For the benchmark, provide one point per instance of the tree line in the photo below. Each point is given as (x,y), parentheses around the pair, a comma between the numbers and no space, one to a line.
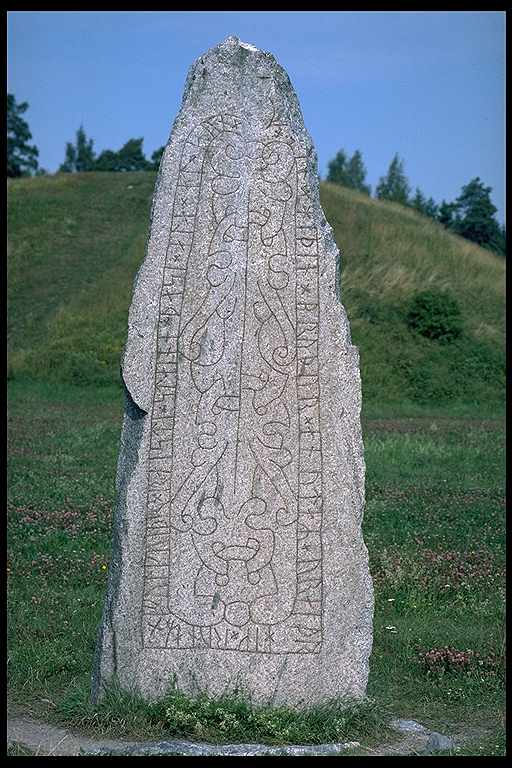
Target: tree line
(81,156)
(22,157)
(471,215)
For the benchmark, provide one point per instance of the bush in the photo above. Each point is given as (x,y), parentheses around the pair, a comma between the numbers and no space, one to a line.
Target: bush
(435,315)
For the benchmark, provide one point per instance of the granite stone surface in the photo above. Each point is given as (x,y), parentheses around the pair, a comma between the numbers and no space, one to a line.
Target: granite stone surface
(238,561)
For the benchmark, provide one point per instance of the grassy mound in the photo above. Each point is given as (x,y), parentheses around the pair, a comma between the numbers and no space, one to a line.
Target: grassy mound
(75,243)
(389,255)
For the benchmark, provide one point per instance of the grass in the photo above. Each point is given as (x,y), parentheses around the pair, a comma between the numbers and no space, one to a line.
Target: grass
(488,745)
(390,253)
(434,526)
(74,247)
(434,446)
(19,750)
(230,718)
(76,240)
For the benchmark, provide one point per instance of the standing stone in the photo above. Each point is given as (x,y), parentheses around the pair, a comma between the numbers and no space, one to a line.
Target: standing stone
(238,560)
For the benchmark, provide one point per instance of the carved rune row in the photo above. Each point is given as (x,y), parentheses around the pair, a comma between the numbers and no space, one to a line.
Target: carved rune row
(234,504)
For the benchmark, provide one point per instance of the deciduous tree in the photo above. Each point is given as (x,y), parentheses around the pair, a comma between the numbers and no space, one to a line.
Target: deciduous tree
(129,158)
(21,156)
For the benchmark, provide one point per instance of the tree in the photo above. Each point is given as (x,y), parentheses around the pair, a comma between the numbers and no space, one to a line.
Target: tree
(21,156)
(356,173)
(476,215)
(394,185)
(337,169)
(445,214)
(349,173)
(69,164)
(80,156)
(419,202)
(426,207)
(156,157)
(502,242)
(129,158)
(430,208)
(107,161)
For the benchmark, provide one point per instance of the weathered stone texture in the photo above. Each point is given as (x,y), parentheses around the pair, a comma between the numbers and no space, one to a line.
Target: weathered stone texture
(238,558)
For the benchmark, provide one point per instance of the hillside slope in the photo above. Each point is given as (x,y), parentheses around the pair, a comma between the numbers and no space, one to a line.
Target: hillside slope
(75,242)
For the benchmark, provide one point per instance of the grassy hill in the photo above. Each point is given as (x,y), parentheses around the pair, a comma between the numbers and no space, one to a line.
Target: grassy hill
(75,242)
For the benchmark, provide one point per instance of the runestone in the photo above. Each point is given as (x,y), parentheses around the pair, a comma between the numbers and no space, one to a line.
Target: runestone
(238,562)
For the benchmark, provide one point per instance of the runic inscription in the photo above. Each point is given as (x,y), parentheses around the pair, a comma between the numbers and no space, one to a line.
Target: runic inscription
(233,553)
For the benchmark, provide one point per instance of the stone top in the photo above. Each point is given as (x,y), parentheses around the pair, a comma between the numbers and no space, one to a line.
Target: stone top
(232,78)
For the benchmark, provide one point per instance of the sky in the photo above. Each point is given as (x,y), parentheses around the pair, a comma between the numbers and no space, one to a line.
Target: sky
(428,85)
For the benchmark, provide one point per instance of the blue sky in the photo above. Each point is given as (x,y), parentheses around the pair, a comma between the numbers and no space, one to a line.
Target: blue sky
(428,85)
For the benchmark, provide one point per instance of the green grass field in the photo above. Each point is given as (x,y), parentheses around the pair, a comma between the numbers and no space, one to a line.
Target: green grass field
(434,448)
(75,242)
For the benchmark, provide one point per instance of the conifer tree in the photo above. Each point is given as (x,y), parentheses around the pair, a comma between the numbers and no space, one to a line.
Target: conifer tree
(337,169)
(445,214)
(356,173)
(430,208)
(419,202)
(69,164)
(80,156)
(394,185)
(348,172)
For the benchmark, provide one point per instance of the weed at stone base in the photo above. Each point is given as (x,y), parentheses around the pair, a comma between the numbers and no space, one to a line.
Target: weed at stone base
(228,718)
